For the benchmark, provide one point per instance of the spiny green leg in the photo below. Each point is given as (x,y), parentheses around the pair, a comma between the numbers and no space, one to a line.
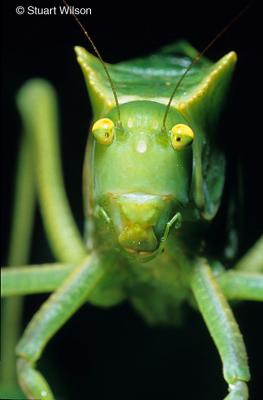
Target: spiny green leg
(47,321)
(223,329)
(21,230)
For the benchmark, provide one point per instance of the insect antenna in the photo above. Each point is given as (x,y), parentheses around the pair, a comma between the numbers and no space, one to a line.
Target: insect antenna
(101,60)
(199,55)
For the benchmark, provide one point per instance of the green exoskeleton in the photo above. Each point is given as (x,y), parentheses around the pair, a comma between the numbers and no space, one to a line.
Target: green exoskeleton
(153,182)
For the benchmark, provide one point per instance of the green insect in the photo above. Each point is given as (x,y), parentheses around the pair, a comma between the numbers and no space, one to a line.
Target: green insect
(153,182)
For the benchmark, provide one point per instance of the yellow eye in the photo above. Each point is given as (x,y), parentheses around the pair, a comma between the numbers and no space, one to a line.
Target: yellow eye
(181,136)
(103,130)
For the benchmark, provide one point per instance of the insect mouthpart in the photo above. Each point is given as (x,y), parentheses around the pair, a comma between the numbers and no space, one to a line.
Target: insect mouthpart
(137,239)
(139,220)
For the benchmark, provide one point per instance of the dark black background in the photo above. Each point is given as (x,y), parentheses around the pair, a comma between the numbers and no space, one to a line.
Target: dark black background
(100,353)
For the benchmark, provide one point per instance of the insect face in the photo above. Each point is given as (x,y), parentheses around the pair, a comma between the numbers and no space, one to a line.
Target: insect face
(142,177)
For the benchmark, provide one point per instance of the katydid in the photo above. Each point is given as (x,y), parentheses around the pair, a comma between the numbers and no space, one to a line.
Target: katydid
(153,182)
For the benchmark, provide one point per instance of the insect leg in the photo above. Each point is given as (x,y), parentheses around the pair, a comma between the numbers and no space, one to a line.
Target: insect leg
(32,279)
(223,328)
(19,247)
(241,285)
(253,259)
(37,104)
(182,47)
(46,322)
